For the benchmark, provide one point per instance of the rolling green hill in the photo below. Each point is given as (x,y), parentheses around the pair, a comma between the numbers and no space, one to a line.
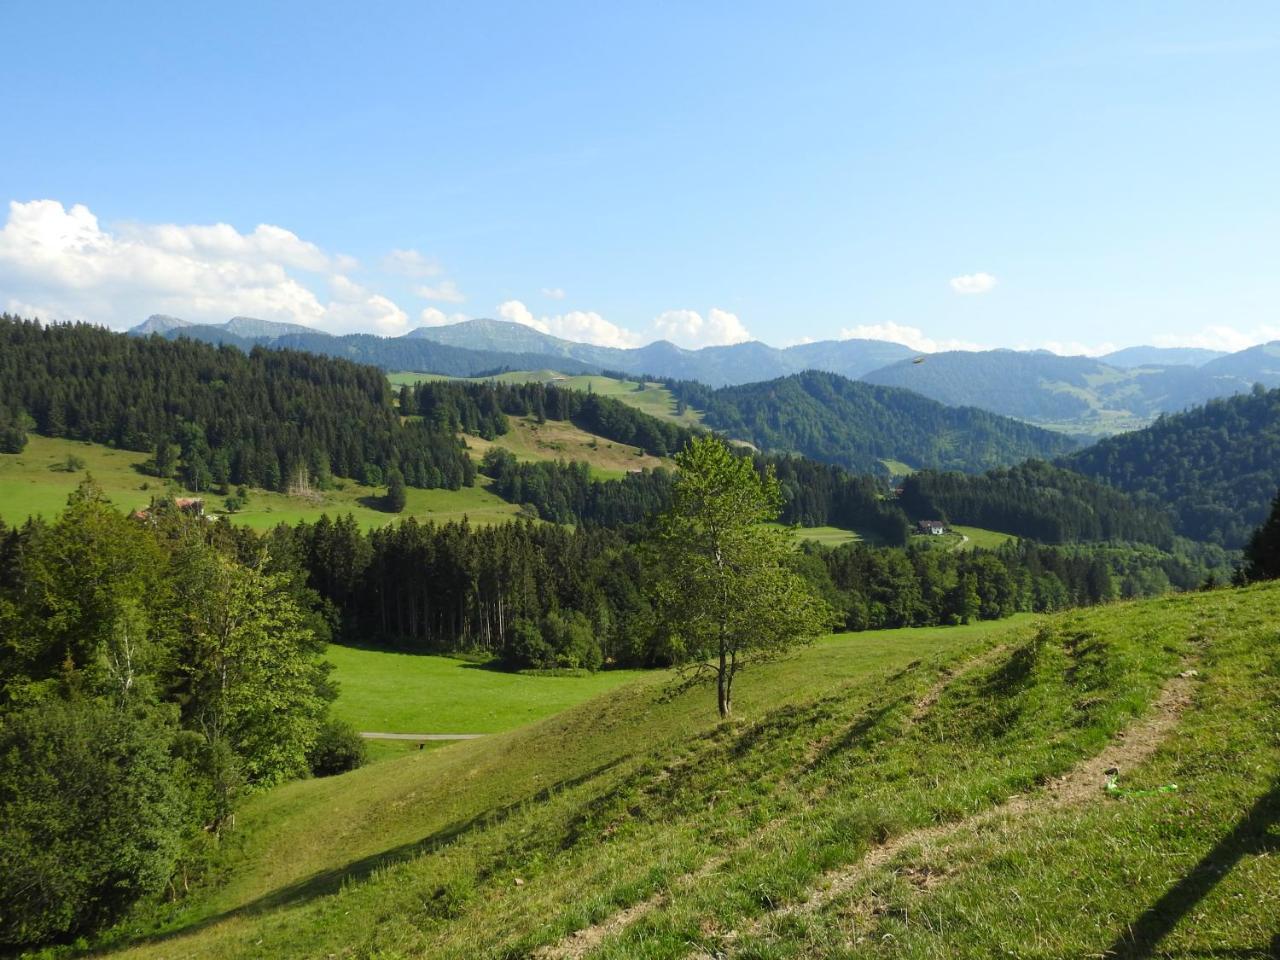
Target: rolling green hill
(1215,468)
(859,426)
(914,793)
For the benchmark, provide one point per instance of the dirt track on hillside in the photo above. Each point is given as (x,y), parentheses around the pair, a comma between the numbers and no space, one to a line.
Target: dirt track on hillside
(1087,779)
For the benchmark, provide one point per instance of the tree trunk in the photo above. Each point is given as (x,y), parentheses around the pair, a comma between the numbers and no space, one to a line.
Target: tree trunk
(723,679)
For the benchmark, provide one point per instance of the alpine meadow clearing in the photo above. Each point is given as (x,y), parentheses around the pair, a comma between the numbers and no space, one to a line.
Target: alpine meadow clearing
(37,482)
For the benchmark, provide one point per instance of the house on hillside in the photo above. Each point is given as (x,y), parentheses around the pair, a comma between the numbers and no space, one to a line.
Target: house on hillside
(191,505)
(935,528)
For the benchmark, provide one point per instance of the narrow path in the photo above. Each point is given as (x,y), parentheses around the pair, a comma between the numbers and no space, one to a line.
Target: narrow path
(422,736)
(1129,748)
(1086,780)
(580,943)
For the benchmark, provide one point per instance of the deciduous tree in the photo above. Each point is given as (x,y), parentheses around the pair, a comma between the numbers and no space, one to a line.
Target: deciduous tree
(728,596)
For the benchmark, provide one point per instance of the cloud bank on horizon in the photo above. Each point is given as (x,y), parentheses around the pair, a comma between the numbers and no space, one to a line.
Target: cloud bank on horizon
(61,263)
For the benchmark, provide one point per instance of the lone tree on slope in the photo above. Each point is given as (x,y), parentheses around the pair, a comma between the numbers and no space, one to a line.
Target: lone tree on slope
(396,495)
(728,595)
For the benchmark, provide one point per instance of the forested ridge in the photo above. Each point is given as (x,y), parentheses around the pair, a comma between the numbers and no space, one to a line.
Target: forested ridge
(389,353)
(1215,468)
(856,425)
(215,415)
(266,418)
(1037,501)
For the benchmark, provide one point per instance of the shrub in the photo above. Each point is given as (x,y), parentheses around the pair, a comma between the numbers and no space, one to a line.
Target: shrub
(337,749)
(92,820)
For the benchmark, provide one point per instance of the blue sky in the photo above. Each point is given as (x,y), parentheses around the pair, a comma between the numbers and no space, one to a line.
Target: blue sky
(1072,175)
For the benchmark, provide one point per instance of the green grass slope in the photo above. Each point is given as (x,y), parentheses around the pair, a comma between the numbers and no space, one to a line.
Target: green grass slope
(29,486)
(918,793)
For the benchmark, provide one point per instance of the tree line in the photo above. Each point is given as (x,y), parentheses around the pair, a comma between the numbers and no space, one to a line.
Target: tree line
(481,409)
(813,494)
(1037,501)
(541,595)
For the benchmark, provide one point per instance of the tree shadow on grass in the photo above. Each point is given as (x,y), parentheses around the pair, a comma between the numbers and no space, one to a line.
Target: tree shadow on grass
(1251,835)
(327,882)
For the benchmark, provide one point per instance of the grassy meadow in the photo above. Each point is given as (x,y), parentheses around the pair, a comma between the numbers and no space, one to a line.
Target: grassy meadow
(387,692)
(912,793)
(33,483)
(531,441)
(30,486)
(828,536)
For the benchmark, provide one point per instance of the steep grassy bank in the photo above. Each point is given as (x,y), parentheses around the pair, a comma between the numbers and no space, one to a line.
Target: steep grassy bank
(660,833)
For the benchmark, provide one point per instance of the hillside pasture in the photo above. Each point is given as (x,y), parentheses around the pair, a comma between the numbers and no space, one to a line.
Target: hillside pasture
(33,483)
(532,441)
(827,536)
(919,793)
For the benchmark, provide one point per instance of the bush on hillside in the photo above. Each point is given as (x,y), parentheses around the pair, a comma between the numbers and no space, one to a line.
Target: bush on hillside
(338,749)
(92,818)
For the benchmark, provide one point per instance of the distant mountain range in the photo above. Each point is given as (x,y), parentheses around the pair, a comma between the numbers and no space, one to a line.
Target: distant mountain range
(714,366)
(1083,395)
(249,328)
(1161,357)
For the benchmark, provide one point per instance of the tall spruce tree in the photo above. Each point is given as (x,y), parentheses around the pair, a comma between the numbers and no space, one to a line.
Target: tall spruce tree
(396,495)
(1262,554)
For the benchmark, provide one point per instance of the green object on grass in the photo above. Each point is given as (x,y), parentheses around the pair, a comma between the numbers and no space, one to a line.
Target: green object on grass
(1114,789)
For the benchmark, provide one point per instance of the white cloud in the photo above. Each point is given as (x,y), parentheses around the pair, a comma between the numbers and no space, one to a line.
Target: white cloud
(1221,337)
(517,312)
(912,337)
(446,291)
(582,326)
(553,293)
(411,263)
(432,317)
(73,268)
(971,283)
(221,241)
(688,328)
(355,307)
